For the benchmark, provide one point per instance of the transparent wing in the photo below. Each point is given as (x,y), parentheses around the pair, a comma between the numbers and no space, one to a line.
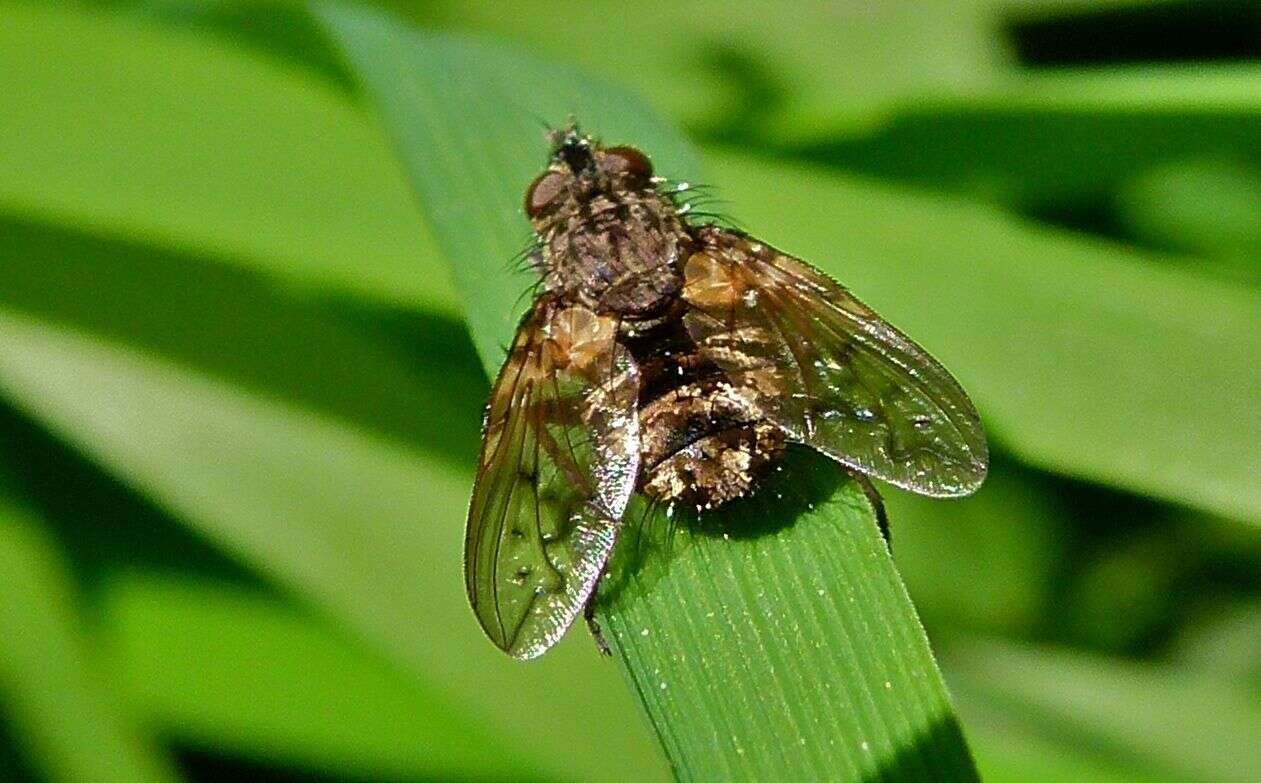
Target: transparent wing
(560,454)
(829,371)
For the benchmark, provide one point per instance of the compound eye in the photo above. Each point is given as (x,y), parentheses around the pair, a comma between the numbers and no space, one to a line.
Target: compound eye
(544,192)
(629,161)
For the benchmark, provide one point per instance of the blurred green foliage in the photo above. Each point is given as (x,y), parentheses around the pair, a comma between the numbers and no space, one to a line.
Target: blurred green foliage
(239,406)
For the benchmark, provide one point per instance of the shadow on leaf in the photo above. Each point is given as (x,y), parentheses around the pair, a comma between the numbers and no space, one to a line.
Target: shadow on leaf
(803,483)
(406,378)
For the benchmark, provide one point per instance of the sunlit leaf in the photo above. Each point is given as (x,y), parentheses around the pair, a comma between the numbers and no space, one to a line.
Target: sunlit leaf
(1162,720)
(223,669)
(1058,142)
(732,67)
(143,132)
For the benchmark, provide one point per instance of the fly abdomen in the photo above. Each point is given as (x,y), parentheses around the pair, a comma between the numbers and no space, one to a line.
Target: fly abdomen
(703,443)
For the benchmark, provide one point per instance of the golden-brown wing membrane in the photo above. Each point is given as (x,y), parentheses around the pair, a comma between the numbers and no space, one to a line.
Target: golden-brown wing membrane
(829,371)
(560,455)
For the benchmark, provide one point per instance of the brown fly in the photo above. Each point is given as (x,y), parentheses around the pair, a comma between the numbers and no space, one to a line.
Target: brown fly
(676,358)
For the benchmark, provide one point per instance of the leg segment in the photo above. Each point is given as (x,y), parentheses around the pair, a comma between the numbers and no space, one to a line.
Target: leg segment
(588,614)
(877,505)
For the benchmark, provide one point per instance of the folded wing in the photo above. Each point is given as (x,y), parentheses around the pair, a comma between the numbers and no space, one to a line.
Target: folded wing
(560,454)
(829,371)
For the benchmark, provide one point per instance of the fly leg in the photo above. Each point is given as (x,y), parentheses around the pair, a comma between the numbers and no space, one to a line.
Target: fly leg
(634,553)
(593,625)
(877,505)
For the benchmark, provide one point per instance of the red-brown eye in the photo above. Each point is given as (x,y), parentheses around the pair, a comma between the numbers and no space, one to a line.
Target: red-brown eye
(544,192)
(629,161)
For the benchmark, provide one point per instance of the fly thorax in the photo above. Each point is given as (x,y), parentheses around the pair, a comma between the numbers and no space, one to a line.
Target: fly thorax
(616,254)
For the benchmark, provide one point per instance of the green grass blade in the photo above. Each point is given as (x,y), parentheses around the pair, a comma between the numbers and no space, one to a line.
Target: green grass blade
(226,669)
(759,654)
(243,329)
(734,67)
(1106,127)
(138,131)
(57,697)
(1008,750)
(1209,208)
(836,72)
(1174,723)
(778,643)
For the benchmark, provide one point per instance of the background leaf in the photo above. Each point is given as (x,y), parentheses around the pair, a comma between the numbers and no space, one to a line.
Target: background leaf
(285,176)
(222,668)
(62,704)
(1170,723)
(833,65)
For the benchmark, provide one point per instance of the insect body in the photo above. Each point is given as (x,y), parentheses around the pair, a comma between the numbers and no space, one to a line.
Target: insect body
(676,360)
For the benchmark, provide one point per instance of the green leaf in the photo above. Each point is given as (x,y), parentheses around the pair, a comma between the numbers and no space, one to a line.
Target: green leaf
(986,562)
(225,669)
(1058,140)
(58,698)
(1151,716)
(138,131)
(1009,750)
(1205,206)
(782,647)
(1225,644)
(240,328)
(1088,359)
(735,68)
(776,641)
